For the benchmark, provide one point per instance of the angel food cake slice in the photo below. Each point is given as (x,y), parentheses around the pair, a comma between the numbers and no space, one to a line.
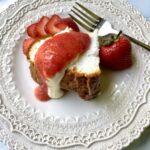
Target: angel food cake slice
(84,75)
(68,60)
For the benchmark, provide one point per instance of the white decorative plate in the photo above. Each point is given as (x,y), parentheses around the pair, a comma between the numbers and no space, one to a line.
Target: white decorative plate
(111,121)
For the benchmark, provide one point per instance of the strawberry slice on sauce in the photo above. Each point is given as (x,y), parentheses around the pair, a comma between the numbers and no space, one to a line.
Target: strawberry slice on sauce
(57,24)
(50,27)
(40,27)
(57,52)
(32,31)
(67,22)
(27,43)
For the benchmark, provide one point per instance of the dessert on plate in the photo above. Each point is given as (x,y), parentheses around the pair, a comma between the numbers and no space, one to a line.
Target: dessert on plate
(62,58)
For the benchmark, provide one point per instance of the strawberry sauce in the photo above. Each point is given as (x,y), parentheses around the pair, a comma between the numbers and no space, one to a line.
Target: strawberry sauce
(58,52)
(41,92)
(55,54)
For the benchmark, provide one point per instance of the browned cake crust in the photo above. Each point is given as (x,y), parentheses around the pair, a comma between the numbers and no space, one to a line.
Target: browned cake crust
(34,73)
(87,86)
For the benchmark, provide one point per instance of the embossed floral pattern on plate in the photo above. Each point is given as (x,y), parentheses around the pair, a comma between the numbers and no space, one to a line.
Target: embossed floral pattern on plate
(126,96)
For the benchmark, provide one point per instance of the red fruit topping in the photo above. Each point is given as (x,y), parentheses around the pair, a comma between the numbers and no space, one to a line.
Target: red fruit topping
(117,56)
(58,52)
(56,24)
(67,22)
(41,92)
(50,27)
(27,43)
(40,28)
(31,30)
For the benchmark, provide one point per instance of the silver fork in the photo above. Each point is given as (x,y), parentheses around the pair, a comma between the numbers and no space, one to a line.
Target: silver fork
(90,21)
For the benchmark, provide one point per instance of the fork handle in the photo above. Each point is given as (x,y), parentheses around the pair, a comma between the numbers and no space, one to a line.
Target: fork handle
(138,42)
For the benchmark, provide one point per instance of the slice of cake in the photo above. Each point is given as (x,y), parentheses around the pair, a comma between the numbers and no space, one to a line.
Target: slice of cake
(84,75)
(68,60)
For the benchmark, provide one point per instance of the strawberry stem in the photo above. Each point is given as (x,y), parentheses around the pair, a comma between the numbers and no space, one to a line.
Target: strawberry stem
(117,36)
(109,39)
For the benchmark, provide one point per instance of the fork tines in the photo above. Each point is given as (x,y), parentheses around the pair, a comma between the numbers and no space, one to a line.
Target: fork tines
(84,17)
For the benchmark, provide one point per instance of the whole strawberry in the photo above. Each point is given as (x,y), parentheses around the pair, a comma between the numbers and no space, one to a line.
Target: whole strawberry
(117,54)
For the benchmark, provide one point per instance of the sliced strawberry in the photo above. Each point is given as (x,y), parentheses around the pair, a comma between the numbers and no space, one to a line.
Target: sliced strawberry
(67,22)
(31,30)
(50,27)
(40,27)
(41,92)
(27,43)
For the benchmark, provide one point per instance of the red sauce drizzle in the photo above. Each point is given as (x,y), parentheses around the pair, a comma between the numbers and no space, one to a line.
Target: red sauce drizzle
(57,53)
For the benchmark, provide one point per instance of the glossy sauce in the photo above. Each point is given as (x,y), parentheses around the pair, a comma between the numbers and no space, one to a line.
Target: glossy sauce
(41,92)
(55,54)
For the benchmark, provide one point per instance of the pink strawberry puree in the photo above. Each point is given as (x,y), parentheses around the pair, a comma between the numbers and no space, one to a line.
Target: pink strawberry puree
(55,54)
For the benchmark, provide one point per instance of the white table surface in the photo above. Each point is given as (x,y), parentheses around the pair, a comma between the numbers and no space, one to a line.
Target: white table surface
(143,143)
